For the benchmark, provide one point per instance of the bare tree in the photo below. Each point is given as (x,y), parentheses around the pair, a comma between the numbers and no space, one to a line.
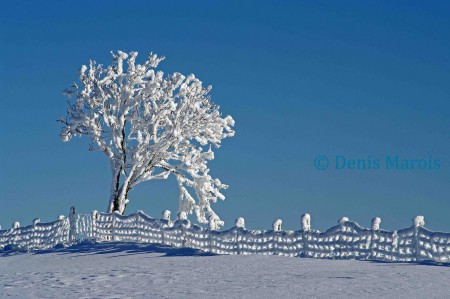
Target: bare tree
(149,126)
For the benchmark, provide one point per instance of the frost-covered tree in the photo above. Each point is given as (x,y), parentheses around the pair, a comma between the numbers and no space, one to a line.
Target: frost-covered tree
(149,126)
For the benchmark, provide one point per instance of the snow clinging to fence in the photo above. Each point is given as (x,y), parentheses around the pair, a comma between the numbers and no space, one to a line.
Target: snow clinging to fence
(347,240)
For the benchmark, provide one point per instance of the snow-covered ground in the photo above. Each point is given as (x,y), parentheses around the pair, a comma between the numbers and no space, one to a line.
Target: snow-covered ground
(152,271)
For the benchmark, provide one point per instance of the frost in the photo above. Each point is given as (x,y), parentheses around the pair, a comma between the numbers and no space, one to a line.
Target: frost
(166,215)
(240,222)
(376,223)
(277,225)
(150,127)
(419,221)
(306,222)
(343,220)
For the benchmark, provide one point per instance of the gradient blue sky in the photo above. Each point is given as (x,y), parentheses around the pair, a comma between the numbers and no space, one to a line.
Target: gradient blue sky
(361,79)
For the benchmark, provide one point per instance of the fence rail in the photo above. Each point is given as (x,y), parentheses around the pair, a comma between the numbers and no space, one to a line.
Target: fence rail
(347,240)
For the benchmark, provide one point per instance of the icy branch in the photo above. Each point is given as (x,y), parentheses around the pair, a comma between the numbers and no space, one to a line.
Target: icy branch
(149,126)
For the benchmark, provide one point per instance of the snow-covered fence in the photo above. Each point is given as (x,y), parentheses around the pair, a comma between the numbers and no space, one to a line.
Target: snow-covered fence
(36,236)
(347,240)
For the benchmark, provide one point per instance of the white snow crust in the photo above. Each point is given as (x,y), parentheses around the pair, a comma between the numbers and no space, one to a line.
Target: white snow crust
(150,271)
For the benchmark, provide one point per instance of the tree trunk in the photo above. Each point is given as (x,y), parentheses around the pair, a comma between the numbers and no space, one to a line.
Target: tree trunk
(114,196)
(121,198)
(116,204)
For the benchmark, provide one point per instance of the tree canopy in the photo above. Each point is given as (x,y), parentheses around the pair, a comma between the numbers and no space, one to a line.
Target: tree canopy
(149,126)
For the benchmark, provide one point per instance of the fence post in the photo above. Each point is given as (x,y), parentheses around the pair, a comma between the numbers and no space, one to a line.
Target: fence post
(376,223)
(239,225)
(113,228)
(418,222)
(166,215)
(276,229)
(137,216)
(163,241)
(36,221)
(213,223)
(212,226)
(15,226)
(72,225)
(375,228)
(306,222)
(341,243)
(306,229)
(394,245)
(94,217)
(183,224)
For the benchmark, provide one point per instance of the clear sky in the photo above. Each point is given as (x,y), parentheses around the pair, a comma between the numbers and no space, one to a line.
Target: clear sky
(353,80)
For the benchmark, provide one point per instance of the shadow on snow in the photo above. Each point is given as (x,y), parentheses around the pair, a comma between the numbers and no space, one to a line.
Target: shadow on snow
(121,248)
(124,248)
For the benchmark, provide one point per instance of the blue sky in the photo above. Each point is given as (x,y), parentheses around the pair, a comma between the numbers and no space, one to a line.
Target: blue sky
(358,79)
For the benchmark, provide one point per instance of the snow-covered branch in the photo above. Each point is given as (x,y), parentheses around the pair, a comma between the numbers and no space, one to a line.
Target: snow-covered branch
(149,126)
